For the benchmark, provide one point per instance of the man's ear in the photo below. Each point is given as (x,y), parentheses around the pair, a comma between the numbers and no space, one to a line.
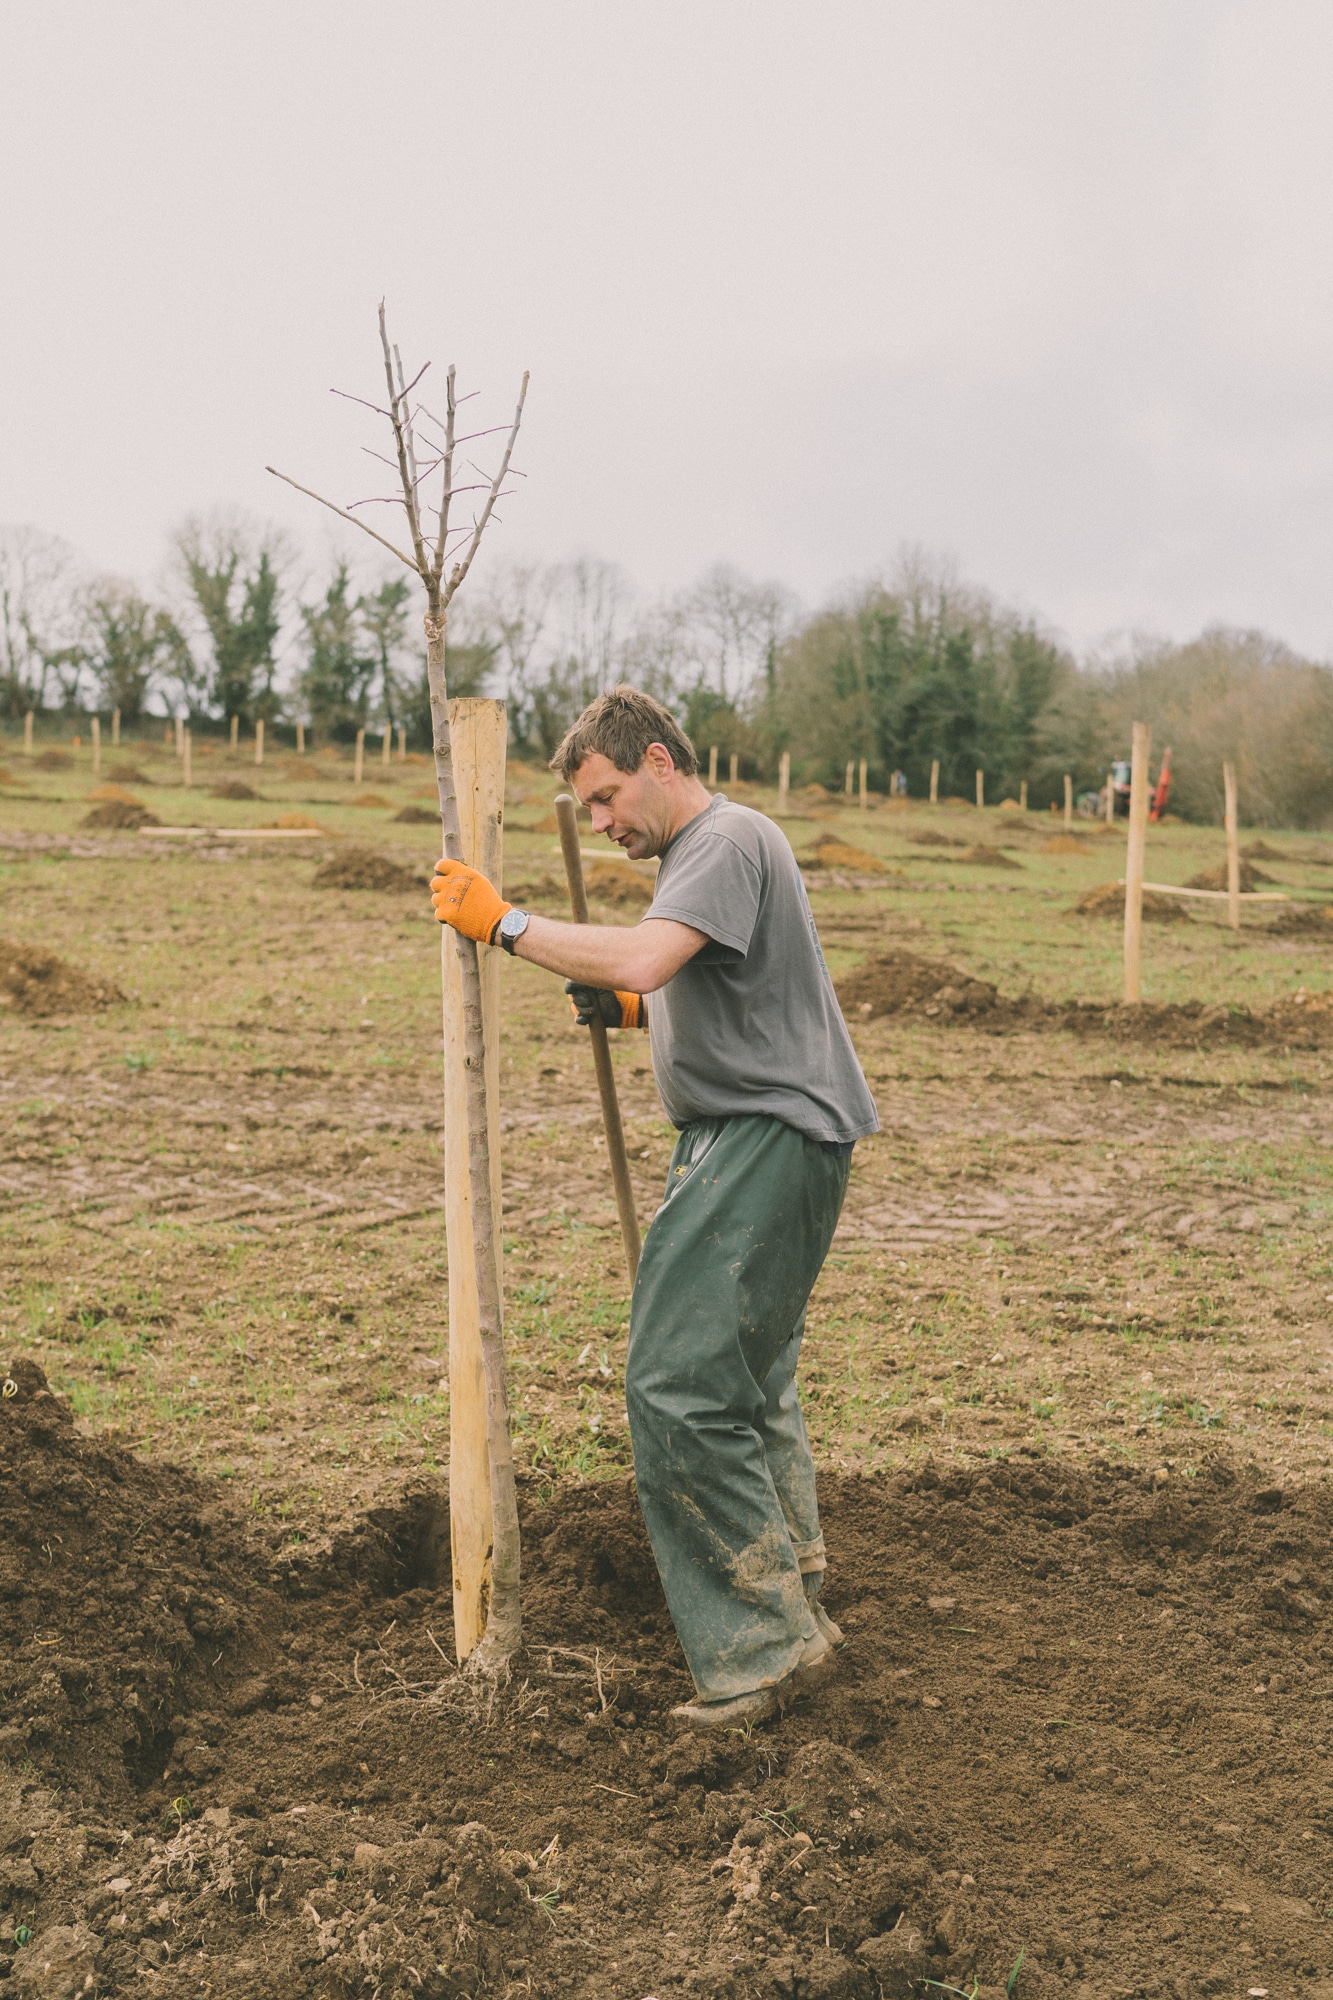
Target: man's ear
(659,758)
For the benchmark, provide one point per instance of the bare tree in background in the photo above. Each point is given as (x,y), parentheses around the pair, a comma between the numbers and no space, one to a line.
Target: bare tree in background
(424,450)
(39,616)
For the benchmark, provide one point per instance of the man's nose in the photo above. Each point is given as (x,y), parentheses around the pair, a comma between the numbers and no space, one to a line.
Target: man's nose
(601,818)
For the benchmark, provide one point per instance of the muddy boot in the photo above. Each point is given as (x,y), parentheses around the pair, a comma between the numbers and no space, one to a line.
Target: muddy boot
(812,1580)
(817,1659)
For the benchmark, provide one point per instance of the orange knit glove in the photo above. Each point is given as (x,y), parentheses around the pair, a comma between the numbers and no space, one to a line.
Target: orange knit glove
(465,899)
(617,1010)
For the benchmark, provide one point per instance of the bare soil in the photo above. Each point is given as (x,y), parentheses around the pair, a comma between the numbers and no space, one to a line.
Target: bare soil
(122,814)
(1251,878)
(362,868)
(37,983)
(1078,1716)
(1107,899)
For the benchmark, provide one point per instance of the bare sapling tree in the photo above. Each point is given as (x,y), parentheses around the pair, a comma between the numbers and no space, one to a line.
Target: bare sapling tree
(424,450)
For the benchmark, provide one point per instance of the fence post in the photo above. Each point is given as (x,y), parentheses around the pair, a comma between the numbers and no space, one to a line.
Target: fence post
(300,739)
(981,788)
(863,784)
(712,764)
(1069,803)
(735,766)
(115,729)
(97,744)
(185,760)
(402,743)
(259,741)
(477,732)
(27,734)
(235,731)
(1110,796)
(849,785)
(1023,794)
(1138,839)
(1233,848)
(360,758)
(386,746)
(180,735)
(784,780)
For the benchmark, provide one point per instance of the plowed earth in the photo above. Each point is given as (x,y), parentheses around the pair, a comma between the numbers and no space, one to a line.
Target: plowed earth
(1079,1715)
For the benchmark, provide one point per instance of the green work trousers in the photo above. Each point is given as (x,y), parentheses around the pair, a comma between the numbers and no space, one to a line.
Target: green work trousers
(721,1457)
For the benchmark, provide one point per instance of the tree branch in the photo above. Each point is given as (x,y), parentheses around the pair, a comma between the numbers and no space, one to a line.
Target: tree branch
(460,569)
(343,515)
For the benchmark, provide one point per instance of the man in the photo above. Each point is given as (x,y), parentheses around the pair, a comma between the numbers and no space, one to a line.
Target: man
(756,1070)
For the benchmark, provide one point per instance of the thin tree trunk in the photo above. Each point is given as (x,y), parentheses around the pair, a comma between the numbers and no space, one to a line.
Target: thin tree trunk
(504,1626)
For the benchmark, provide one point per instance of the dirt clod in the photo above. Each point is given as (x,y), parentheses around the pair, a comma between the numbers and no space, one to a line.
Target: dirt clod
(38,983)
(1107,899)
(1065,843)
(362,868)
(830,852)
(123,815)
(417,816)
(932,839)
(982,856)
(53,760)
(128,774)
(372,800)
(900,982)
(233,788)
(1251,878)
(1260,850)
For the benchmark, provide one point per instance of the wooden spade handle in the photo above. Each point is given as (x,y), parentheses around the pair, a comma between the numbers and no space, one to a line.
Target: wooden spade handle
(566,816)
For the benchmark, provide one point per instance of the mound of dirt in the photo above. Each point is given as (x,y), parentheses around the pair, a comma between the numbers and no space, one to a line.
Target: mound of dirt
(1216,878)
(101,794)
(987,857)
(1259,850)
(617,884)
(932,839)
(1107,899)
(954,800)
(7,777)
(1067,1697)
(233,788)
(128,774)
(53,760)
(417,816)
(1303,920)
(126,814)
(294,823)
(362,868)
(830,852)
(1011,806)
(371,800)
(901,983)
(1065,843)
(534,891)
(38,983)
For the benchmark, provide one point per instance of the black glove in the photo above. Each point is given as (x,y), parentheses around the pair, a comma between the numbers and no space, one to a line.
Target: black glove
(614,1010)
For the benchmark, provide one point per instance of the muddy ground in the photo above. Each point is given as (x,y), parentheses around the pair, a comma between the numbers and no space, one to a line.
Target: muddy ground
(1080,1716)
(1067,1373)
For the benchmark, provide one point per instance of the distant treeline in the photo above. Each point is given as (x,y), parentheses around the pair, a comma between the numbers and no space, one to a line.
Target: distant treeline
(900,671)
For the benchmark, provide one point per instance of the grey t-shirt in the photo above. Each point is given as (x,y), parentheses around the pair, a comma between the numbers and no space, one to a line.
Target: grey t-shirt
(751,1023)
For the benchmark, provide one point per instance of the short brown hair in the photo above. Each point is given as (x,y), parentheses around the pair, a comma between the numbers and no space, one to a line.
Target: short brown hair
(620,725)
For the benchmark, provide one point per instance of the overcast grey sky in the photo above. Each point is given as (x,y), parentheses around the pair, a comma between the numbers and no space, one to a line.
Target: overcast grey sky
(1044,287)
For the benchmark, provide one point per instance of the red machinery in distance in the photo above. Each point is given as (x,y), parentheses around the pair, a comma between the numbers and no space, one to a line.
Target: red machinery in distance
(1119,779)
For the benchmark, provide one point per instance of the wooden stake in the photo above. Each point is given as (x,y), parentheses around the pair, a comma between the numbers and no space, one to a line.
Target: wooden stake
(981,788)
(1233,848)
(97,744)
(259,741)
(1138,840)
(477,732)
(864,800)
(1023,795)
(935,781)
(360,756)
(735,766)
(566,814)
(386,746)
(180,734)
(27,734)
(115,729)
(185,757)
(235,730)
(849,785)
(1069,803)
(1110,797)
(784,781)
(402,743)
(300,739)
(712,764)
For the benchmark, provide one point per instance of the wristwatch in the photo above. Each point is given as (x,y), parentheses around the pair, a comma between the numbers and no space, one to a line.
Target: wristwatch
(510,929)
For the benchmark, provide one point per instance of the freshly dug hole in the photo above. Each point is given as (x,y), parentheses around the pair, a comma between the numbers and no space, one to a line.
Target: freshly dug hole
(256,1753)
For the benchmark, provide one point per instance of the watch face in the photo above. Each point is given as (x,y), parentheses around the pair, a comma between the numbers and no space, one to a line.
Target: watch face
(513,923)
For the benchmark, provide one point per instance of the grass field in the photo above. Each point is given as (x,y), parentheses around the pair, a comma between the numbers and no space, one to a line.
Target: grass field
(222,1198)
